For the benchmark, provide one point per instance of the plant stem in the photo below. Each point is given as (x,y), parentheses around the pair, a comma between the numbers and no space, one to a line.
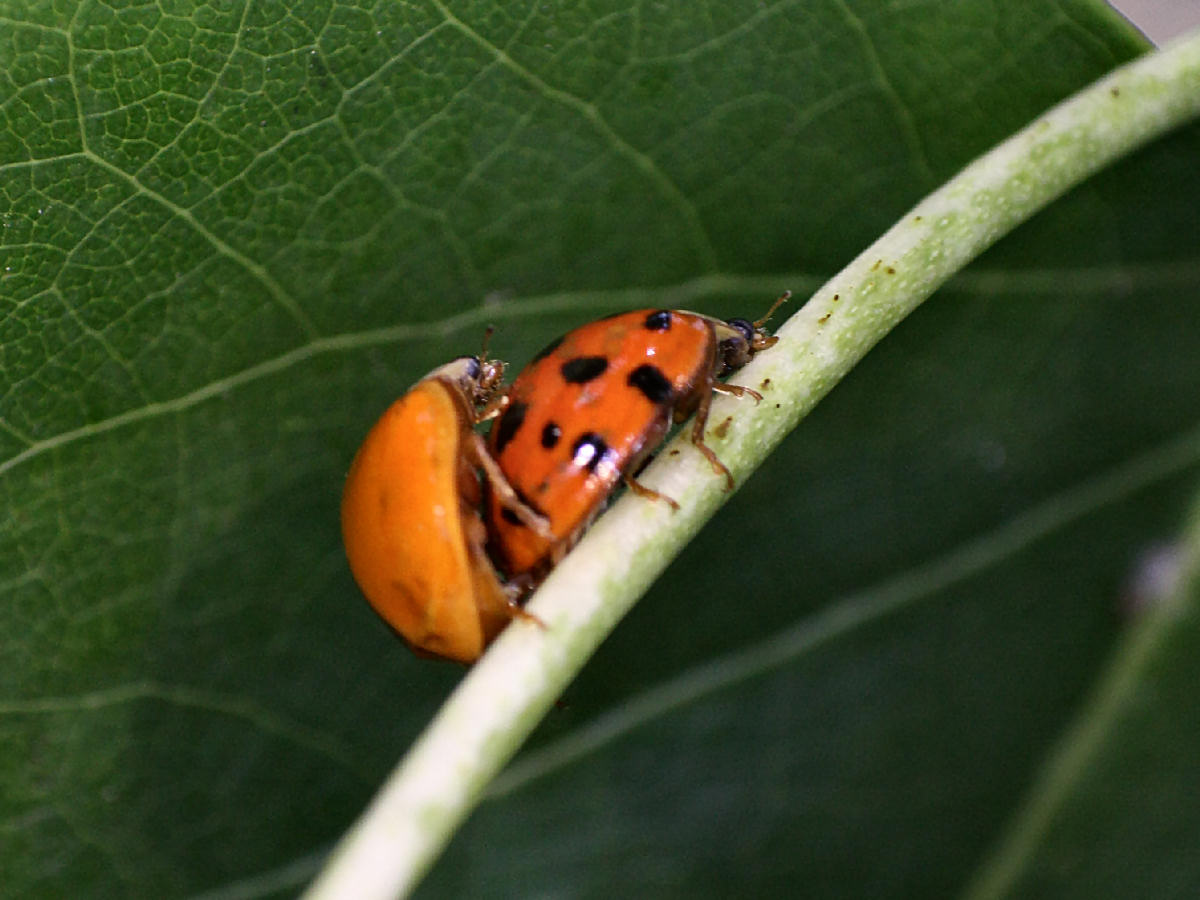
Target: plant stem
(505,695)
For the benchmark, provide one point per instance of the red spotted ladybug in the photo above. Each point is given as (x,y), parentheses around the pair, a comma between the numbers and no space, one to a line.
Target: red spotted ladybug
(592,407)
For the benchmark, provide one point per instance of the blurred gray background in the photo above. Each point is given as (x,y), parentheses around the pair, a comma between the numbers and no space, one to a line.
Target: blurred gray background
(1161,20)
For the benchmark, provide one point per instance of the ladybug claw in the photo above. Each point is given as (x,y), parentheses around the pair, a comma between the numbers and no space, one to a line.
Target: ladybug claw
(737,390)
(517,611)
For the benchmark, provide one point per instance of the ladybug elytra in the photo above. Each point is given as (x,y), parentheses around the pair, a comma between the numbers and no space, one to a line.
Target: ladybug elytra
(410,514)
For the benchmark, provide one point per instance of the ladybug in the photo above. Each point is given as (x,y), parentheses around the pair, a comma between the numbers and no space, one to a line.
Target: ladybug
(591,408)
(411,525)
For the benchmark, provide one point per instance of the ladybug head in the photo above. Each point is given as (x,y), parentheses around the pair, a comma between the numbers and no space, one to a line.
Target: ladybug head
(480,377)
(477,377)
(487,375)
(734,347)
(741,339)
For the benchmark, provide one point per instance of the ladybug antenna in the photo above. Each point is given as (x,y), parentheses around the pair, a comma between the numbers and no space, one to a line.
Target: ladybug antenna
(487,336)
(783,298)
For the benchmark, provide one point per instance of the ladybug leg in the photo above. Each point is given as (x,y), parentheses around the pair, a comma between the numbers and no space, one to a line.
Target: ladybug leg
(517,611)
(494,407)
(531,519)
(718,387)
(736,390)
(649,493)
(698,437)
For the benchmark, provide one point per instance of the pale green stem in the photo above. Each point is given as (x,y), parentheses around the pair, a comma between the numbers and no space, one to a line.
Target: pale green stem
(505,695)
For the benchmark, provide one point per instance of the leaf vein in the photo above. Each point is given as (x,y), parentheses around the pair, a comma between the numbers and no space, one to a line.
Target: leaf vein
(702,246)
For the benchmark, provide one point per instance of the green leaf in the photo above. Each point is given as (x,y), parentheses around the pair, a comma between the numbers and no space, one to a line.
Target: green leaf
(231,234)
(1107,808)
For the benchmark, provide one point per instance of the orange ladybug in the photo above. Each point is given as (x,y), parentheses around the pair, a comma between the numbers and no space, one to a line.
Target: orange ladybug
(592,407)
(410,514)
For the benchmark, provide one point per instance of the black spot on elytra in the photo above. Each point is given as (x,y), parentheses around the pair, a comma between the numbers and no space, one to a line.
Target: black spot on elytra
(588,450)
(582,369)
(510,422)
(550,435)
(509,516)
(652,383)
(659,320)
(548,349)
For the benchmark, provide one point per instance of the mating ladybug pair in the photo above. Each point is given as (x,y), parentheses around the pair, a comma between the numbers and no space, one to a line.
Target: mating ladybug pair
(579,419)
